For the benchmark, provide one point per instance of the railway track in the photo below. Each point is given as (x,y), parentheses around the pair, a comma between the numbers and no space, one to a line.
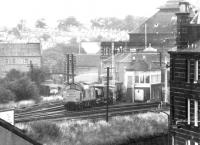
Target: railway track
(58,112)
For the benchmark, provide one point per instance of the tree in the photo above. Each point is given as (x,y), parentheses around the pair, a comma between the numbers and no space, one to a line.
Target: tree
(24,89)
(128,23)
(15,32)
(38,75)
(6,95)
(40,23)
(21,25)
(65,23)
(45,37)
(107,23)
(131,22)
(13,75)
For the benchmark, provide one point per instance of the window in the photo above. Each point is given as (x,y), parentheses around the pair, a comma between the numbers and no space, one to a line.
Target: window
(136,79)
(196,143)
(25,61)
(6,61)
(192,117)
(130,81)
(195,113)
(188,71)
(188,111)
(172,140)
(196,64)
(13,60)
(153,79)
(188,142)
(141,78)
(147,79)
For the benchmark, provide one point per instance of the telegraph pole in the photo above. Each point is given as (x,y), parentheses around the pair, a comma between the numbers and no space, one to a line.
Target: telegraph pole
(69,67)
(113,71)
(166,91)
(108,69)
(31,68)
(72,62)
(145,33)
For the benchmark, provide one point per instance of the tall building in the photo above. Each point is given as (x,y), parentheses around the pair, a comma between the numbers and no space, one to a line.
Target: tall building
(19,56)
(184,81)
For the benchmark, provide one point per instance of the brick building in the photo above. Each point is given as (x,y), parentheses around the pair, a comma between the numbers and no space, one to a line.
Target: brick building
(184,81)
(19,56)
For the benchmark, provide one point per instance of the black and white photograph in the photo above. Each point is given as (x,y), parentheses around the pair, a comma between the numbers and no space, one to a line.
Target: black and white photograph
(100,72)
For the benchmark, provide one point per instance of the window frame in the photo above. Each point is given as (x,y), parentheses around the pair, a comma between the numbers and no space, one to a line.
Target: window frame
(196,71)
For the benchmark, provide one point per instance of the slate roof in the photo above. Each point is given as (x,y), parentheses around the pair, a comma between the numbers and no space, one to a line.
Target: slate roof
(128,57)
(164,21)
(161,22)
(87,60)
(142,65)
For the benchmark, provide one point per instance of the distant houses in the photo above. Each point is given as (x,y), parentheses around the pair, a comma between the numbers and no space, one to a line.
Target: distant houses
(19,56)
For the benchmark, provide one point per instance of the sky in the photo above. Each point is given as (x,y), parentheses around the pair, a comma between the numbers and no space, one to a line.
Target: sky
(12,11)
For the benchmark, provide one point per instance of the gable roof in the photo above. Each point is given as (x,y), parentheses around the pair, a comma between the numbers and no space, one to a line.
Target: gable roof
(164,21)
(161,22)
(87,60)
(20,49)
(17,132)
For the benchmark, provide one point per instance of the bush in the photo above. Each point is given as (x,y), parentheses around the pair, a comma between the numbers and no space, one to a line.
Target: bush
(6,95)
(24,89)
(44,131)
(119,130)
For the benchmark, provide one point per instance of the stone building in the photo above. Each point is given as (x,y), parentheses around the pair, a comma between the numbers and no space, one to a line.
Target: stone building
(19,56)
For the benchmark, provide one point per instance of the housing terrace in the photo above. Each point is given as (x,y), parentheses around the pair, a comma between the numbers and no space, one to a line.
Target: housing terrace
(19,56)
(20,49)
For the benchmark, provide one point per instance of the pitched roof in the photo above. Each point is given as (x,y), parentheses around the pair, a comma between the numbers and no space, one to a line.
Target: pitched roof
(128,57)
(161,22)
(164,21)
(20,49)
(142,65)
(87,60)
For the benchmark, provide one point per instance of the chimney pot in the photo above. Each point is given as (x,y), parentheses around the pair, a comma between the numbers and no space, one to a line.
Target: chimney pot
(184,7)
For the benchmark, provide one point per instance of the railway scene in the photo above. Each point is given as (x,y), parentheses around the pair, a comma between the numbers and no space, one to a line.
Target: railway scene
(100,72)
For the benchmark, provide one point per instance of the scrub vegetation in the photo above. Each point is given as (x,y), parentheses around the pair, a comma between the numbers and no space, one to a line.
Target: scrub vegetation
(118,130)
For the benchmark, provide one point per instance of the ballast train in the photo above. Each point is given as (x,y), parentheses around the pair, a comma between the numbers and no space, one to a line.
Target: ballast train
(79,96)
